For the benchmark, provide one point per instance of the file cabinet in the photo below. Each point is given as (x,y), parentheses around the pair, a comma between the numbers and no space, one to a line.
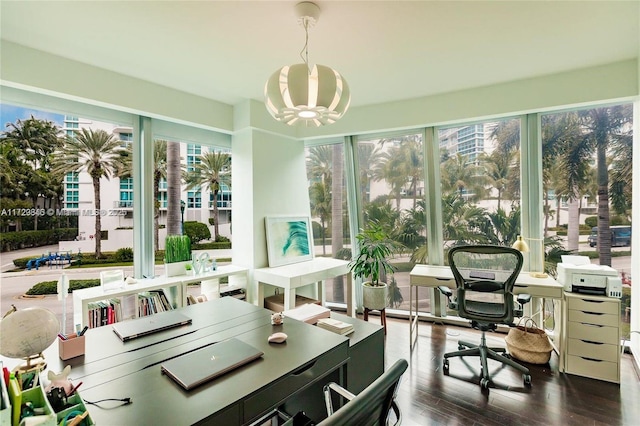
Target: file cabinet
(591,343)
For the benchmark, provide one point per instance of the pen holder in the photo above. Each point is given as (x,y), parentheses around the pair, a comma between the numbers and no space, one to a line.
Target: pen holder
(71,348)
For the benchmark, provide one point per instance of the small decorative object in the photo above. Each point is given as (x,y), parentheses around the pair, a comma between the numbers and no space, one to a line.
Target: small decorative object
(277,318)
(528,343)
(200,262)
(26,333)
(177,253)
(60,380)
(375,246)
(289,240)
(277,337)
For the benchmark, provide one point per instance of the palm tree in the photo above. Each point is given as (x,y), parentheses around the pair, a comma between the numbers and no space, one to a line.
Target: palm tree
(174,189)
(604,128)
(412,162)
(29,144)
(461,175)
(159,173)
(97,153)
(337,209)
(213,170)
(320,199)
(500,170)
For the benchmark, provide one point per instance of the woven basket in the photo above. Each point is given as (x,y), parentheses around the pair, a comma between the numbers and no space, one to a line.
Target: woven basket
(528,343)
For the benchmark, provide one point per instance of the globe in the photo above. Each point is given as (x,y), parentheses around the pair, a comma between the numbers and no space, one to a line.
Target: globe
(26,333)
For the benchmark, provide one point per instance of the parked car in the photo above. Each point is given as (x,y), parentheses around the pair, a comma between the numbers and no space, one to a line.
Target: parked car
(620,236)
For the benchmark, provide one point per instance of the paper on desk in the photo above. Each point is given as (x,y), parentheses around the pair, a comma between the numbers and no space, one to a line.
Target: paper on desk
(575,259)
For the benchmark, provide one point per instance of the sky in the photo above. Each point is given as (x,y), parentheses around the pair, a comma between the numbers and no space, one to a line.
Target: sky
(11,113)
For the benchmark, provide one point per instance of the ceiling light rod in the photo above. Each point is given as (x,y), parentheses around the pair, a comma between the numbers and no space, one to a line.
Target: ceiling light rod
(299,93)
(308,14)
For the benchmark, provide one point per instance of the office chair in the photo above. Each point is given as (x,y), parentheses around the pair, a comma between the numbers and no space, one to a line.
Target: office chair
(485,276)
(369,407)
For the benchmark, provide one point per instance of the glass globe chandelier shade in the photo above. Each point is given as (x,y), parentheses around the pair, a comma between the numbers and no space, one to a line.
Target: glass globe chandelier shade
(298,94)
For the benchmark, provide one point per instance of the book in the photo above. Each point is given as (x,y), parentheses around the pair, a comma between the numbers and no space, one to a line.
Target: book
(309,313)
(335,325)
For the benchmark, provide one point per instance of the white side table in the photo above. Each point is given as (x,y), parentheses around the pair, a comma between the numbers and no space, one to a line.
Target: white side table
(290,277)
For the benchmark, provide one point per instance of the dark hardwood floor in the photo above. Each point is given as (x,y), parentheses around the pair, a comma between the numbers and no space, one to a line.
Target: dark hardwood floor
(429,397)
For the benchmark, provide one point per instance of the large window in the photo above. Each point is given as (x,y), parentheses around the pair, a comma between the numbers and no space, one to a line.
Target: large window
(391,175)
(587,157)
(330,219)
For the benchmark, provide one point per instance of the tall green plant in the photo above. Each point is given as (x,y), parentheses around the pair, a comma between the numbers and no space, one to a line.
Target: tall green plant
(375,247)
(177,248)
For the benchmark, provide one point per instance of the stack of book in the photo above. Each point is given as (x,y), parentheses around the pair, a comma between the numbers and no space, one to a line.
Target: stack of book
(309,313)
(335,325)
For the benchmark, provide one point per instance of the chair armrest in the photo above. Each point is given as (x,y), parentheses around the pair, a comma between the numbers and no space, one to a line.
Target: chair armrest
(445,290)
(337,389)
(524,298)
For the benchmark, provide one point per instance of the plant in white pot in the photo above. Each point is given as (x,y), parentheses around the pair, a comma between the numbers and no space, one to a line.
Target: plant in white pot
(372,263)
(177,254)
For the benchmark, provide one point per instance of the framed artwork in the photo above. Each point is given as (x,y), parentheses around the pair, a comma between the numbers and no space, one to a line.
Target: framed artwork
(289,239)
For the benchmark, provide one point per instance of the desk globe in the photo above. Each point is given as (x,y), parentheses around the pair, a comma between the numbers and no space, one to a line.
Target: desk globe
(27,333)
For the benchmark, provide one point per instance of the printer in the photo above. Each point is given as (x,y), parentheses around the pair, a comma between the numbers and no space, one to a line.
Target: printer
(578,275)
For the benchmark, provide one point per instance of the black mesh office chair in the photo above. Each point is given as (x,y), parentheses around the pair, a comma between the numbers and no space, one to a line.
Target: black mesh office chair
(369,407)
(485,276)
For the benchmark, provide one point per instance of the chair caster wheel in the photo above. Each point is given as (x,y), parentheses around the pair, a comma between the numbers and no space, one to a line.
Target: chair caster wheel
(527,379)
(445,366)
(484,384)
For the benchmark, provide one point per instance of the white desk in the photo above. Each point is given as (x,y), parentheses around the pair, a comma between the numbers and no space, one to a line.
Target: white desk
(82,298)
(290,277)
(433,276)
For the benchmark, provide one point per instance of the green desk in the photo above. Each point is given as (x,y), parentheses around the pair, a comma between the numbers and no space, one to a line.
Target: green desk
(287,373)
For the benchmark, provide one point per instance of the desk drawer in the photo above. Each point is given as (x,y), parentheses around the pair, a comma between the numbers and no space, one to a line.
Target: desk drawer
(605,306)
(595,369)
(611,320)
(593,333)
(599,351)
(271,396)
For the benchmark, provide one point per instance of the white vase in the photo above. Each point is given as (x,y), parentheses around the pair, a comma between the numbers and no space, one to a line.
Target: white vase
(375,297)
(175,268)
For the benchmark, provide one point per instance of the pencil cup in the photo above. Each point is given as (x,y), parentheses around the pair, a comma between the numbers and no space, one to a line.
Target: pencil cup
(71,348)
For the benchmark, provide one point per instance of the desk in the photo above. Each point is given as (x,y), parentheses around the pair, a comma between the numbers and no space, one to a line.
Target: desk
(286,373)
(433,276)
(291,277)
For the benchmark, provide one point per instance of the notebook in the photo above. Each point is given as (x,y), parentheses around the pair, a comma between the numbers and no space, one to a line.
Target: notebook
(202,365)
(150,324)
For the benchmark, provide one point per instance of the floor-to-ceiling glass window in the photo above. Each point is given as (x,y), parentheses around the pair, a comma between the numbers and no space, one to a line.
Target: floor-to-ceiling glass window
(391,176)
(587,167)
(329,215)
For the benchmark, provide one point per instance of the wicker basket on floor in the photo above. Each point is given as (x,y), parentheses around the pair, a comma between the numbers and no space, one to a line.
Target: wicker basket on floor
(529,343)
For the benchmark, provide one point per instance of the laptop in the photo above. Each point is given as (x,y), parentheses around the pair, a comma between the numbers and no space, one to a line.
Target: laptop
(202,365)
(131,329)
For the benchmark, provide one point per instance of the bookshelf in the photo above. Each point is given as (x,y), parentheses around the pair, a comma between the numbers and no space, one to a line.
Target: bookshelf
(122,307)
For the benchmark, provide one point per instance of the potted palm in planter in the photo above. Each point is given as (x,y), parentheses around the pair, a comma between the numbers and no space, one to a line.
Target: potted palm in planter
(177,254)
(372,263)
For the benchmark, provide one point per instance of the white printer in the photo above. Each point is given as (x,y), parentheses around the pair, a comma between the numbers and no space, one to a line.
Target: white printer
(577,274)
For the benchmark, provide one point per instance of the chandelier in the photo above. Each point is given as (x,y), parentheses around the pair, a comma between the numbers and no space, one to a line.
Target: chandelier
(302,94)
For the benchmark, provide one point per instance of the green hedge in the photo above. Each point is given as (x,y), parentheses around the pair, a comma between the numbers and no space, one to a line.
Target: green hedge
(23,239)
(51,287)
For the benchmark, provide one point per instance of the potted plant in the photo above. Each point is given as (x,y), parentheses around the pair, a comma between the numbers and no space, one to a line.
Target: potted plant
(177,254)
(372,264)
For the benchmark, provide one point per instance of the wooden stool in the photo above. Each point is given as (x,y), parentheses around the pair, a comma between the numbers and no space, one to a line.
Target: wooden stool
(383,317)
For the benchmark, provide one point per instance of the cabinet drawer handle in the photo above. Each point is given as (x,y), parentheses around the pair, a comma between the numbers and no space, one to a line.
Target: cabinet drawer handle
(303,369)
(444,279)
(592,325)
(592,313)
(591,342)
(591,359)
(592,301)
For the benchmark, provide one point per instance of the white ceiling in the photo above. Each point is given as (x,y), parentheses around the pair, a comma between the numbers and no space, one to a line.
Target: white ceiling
(387,50)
